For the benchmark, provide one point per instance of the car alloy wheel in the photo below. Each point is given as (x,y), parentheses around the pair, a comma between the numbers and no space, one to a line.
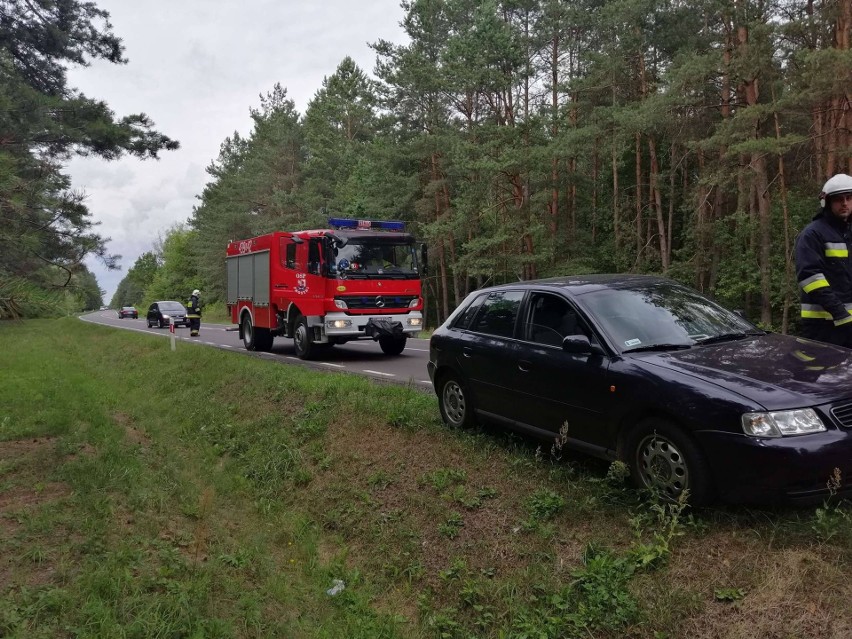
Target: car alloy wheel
(662,466)
(666,461)
(456,406)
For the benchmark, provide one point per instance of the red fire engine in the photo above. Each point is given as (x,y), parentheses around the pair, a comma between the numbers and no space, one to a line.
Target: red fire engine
(359,279)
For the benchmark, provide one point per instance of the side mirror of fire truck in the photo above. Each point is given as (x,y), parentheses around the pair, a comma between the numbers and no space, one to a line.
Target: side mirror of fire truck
(424,259)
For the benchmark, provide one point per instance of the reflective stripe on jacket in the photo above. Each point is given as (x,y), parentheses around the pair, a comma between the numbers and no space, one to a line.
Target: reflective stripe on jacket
(824,270)
(193,309)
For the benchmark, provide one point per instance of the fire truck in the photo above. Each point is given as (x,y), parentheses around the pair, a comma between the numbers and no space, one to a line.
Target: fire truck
(358,279)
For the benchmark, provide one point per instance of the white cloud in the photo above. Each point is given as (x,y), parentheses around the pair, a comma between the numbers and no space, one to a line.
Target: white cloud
(195,68)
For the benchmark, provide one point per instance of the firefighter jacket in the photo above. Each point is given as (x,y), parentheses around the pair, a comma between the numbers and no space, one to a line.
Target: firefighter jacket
(824,270)
(193,309)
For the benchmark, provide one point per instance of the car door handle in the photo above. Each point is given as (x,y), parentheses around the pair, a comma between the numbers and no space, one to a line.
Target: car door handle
(524,366)
(467,352)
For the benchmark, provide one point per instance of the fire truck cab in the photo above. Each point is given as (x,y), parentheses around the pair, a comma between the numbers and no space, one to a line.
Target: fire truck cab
(359,279)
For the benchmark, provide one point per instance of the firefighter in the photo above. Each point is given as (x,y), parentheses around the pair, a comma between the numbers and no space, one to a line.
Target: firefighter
(193,313)
(824,266)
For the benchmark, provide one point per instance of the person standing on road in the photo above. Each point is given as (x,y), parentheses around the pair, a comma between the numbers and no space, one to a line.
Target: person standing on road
(193,313)
(824,267)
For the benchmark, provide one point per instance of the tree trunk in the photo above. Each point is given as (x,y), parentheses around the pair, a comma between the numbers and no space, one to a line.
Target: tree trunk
(658,204)
(788,249)
(640,241)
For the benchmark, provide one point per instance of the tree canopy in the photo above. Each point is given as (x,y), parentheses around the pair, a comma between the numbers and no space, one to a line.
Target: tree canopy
(528,138)
(46,231)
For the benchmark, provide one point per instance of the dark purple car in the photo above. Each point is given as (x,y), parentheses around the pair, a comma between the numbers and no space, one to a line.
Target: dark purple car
(642,369)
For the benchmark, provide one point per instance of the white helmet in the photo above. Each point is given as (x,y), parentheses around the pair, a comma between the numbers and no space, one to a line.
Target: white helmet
(196,292)
(840,183)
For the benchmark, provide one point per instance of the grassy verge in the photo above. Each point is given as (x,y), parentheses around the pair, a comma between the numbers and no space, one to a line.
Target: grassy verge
(203,493)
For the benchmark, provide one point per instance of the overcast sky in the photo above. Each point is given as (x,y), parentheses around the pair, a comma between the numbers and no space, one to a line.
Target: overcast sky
(195,68)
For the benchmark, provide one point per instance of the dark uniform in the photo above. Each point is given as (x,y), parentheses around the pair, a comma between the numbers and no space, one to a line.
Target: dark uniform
(824,272)
(193,313)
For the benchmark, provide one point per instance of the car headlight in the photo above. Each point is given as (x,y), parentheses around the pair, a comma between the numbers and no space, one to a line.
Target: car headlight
(413,303)
(167,316)
(338,323)
(415,321)
(783,423)
(340,304)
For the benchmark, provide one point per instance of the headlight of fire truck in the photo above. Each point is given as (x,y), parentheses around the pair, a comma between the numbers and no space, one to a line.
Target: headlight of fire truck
(413,303)
(415,321)
(340,304)
(338,323)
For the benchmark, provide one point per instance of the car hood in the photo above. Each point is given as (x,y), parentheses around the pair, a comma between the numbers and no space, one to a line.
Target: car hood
(776,371)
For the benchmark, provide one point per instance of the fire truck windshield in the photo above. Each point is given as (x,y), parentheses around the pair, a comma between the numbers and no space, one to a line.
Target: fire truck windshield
(365,259)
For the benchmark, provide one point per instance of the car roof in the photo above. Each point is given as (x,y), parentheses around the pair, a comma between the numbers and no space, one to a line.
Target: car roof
(168,302)
(581,284)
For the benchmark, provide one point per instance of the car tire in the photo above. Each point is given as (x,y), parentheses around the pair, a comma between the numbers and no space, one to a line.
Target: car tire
(148,322)
(305,348)
(664,459)
(455,403)
(392,345)
(160,324)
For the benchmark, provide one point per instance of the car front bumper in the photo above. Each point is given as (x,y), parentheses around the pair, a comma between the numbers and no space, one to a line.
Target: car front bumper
(785,469)
(358,324)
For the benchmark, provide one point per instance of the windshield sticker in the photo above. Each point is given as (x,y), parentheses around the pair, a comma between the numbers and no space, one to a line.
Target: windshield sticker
(633,342)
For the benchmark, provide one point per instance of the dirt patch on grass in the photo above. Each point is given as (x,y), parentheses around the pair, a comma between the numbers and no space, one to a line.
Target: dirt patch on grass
(476,518)
(23,492)
(133,434)
(19,498)
(794,593)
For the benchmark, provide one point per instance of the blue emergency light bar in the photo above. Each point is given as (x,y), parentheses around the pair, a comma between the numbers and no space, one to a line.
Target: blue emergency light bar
(366,225)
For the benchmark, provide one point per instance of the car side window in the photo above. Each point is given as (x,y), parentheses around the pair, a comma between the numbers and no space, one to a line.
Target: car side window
(551,319)
(290,259)
(153,308)
(314,257)
(498,313)
(463,321)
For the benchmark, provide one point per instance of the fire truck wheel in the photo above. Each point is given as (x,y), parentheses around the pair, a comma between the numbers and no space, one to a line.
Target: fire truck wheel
(392,345)
(305,348)
(254,338)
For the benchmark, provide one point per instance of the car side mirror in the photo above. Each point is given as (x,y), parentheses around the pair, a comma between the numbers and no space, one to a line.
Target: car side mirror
(579,345)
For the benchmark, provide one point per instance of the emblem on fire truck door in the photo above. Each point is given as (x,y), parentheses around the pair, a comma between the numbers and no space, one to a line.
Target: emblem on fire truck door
(301,283)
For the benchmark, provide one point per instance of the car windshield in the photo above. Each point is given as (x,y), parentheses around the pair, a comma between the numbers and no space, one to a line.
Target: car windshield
(171,306)
(663,316)
(365,259)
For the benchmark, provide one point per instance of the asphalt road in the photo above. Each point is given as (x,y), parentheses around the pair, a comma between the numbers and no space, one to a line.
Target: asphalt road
(362,357)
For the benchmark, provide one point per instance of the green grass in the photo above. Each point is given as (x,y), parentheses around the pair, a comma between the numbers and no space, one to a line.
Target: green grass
(202,493)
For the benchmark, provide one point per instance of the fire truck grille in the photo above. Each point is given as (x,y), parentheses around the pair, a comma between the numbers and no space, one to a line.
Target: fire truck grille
(843,414)
(361,302)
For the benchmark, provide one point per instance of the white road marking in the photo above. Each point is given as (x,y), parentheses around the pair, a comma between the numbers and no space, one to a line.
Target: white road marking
(372,345)
(148,331)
